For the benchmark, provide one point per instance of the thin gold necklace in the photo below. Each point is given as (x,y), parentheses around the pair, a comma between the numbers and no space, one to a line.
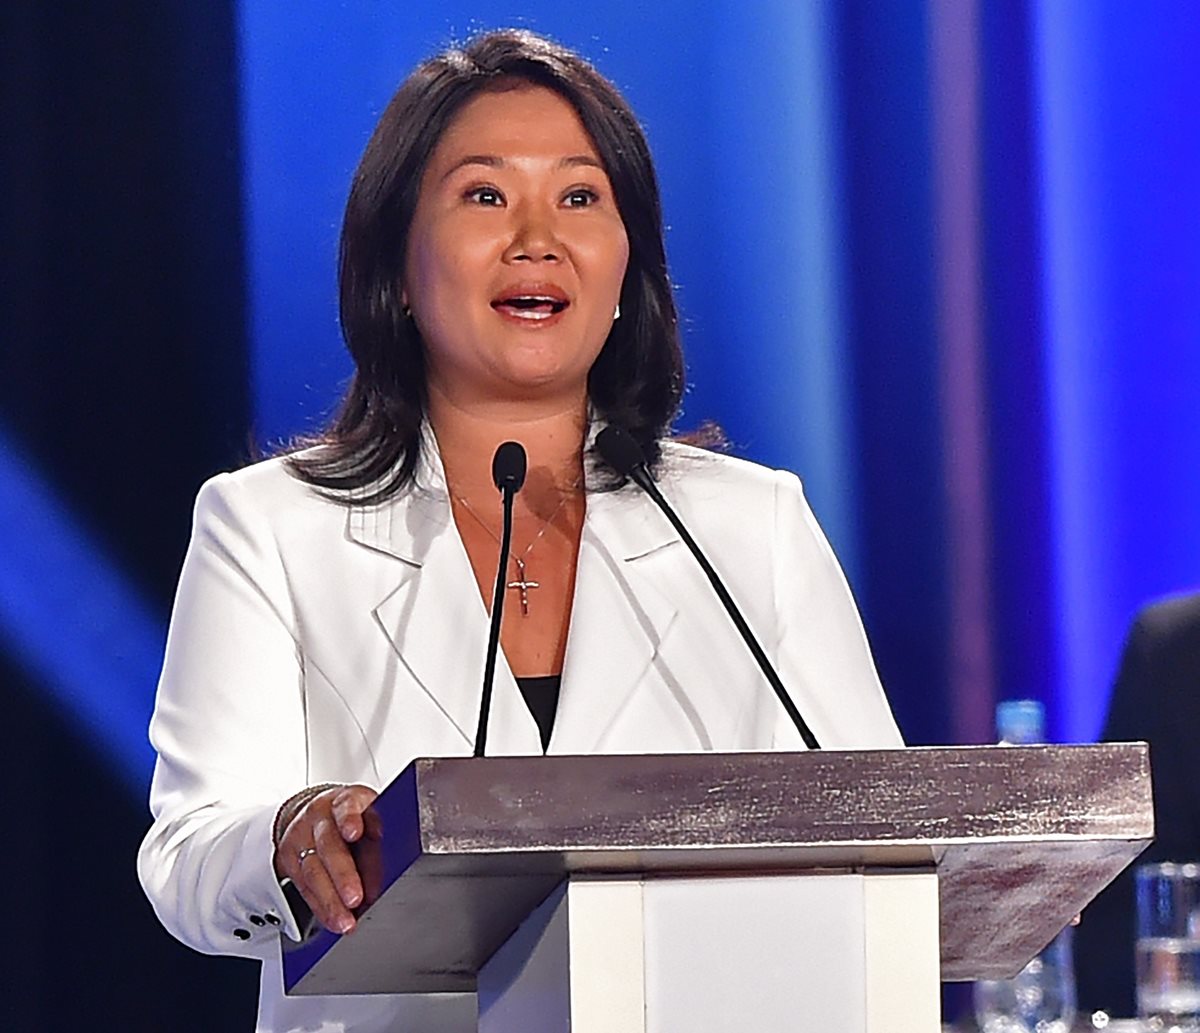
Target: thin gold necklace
(522,583)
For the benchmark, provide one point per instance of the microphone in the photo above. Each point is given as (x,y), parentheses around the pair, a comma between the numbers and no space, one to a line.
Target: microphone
(508,474)
(624,454)
(508,467)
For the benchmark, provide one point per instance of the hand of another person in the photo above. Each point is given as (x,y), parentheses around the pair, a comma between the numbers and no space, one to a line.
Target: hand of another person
(314,851)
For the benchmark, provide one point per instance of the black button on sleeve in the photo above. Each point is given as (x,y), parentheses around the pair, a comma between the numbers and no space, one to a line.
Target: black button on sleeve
(257,920)
(242,934)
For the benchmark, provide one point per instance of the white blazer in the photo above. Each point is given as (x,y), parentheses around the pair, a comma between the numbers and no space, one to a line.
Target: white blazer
(313,642)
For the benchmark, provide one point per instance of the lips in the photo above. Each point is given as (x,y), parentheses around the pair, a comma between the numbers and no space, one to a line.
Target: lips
(531,303)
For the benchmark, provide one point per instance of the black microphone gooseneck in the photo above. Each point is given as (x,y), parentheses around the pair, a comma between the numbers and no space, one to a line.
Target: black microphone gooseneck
(625,456)
(508,474)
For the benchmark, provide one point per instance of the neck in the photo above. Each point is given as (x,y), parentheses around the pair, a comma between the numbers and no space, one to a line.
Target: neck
(552,437)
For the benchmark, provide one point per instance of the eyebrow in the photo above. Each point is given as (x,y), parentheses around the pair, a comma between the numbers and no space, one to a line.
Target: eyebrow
(493,161)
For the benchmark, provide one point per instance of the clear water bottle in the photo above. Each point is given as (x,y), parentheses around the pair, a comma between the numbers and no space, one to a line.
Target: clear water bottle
(1041,998)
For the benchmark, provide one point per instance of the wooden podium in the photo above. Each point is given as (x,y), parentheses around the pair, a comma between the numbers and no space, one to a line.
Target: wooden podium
(722,892)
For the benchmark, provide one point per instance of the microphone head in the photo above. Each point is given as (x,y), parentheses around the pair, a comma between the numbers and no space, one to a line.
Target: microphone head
(508,466)
(619,450)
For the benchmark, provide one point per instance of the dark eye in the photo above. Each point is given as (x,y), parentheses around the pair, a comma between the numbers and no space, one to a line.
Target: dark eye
(581,197)
(485,196)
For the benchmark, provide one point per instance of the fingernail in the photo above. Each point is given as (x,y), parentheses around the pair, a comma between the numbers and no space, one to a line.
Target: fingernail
(345,924)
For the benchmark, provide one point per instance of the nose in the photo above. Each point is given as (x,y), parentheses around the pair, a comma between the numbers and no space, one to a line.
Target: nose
(534,238)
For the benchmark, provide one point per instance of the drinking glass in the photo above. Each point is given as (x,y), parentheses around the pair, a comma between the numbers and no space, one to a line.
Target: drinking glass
(1041,999)
(1168,946)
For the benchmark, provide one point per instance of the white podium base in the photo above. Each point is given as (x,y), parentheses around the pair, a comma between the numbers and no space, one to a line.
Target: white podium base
(850,953)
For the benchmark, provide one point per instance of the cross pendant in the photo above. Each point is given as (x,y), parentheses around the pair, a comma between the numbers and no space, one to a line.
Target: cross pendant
(522,584)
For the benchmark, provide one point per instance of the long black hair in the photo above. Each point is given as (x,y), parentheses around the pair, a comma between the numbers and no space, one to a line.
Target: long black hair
(372,448)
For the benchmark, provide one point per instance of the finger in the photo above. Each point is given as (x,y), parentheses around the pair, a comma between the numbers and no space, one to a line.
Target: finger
(368,857)
(288,860)
(297,836)
(372,824)
(339,864)
(348,806)
(320,894)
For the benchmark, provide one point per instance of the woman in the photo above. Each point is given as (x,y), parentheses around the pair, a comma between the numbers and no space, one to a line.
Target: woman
(503,277)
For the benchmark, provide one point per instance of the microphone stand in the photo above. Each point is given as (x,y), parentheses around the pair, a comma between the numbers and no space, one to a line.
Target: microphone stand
(508,473)
(624,454)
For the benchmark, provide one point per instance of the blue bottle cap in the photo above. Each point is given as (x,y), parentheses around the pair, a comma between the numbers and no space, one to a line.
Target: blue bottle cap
(1021,721)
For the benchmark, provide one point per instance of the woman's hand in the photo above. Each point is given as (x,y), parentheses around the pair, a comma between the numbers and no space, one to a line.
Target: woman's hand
(313,850)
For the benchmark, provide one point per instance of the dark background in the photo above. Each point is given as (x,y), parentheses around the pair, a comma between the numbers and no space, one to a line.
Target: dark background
(122,374)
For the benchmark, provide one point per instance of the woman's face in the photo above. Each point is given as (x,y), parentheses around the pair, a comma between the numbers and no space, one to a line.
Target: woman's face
(516,252)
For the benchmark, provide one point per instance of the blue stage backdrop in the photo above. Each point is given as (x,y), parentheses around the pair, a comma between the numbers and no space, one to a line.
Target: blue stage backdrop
(940,259)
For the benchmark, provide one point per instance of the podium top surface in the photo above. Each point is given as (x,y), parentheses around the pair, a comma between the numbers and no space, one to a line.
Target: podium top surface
(1021,837)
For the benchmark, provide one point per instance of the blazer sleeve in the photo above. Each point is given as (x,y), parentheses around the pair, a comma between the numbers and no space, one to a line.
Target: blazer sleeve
(229,729)
(825,660)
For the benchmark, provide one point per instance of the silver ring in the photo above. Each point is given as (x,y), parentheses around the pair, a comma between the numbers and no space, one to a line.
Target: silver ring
(306,852)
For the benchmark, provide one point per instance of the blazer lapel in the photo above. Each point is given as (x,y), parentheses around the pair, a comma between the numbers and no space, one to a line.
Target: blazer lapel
(620,619)
(436,623)
(435,619)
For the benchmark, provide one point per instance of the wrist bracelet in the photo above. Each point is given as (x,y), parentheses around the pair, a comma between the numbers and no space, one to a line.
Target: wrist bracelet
(292,804)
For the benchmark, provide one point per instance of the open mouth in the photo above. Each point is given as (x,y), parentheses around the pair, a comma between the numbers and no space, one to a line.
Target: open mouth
(530,306)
